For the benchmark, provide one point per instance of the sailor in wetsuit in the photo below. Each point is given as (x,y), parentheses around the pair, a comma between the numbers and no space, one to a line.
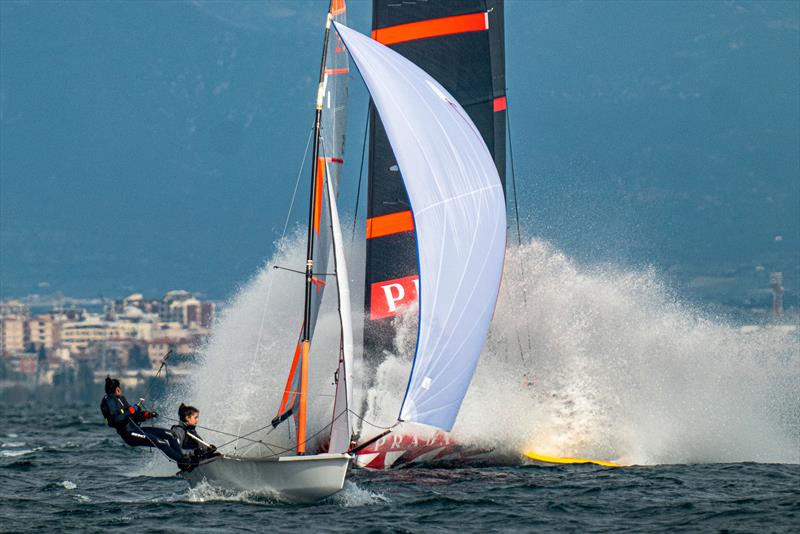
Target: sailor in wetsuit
(126,420)
(192,445)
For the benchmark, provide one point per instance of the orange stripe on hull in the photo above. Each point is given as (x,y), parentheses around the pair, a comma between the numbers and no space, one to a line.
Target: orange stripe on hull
(394,223)
(343,70)
(412,31)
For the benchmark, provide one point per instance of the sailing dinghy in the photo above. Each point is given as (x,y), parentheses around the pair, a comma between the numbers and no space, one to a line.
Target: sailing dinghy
(295,475)
(458,209)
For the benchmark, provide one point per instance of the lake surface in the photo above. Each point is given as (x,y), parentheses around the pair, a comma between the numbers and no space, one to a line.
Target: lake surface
(62,469)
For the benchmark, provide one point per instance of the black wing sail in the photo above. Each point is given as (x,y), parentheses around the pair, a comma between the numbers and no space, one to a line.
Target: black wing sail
(460,43)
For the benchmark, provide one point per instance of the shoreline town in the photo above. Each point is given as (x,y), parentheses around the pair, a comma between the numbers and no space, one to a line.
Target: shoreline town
(66,350)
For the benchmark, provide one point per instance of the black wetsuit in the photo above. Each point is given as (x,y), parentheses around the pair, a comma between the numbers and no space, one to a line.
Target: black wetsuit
(126,419)
(193,451)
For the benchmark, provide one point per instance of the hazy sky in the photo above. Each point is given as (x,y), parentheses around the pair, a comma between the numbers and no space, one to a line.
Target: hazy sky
(149,146)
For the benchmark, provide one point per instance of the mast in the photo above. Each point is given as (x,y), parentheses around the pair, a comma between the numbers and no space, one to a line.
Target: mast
(305,338)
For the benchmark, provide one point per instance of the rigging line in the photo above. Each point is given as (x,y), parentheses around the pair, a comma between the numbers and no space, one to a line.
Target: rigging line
(301,272)
(153,378)
(289,448)
(283,235)
(516,218)
(248,434)
(360,175)
(371,424)
(221,432)
(320,431)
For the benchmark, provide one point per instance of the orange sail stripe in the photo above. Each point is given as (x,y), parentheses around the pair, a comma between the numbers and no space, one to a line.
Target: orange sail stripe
(499,104)
(301,419)
(412,31)
(288,389)
(337,7)
(318,196)
(394,223)
(333,72)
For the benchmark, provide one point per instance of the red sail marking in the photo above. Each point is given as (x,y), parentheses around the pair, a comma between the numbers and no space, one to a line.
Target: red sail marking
(394,223)
(499,104)
(424,29)
(318,195)
(390,296)
(318,284)
(333,72)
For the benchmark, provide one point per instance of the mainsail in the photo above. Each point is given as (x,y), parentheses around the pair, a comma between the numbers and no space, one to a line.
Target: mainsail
(306,477)
(460,43)
(458,210)
(323,221)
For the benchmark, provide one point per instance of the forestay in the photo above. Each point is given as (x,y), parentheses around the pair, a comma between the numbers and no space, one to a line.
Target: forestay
(459,214)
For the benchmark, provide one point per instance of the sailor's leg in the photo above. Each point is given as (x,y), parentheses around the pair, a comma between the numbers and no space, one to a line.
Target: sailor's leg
(164,440)
(135,439)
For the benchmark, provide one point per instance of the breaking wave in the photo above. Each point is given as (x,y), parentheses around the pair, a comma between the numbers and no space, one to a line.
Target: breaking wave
(597,361)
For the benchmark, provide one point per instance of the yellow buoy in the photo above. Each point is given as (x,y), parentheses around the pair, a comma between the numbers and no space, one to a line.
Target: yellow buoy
(560,460)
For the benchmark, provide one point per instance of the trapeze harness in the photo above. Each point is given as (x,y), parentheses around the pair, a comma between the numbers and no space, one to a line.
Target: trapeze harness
(192,448)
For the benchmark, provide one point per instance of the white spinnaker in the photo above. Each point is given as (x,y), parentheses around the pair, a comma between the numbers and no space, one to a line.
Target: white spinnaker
(459,215)
(340,429)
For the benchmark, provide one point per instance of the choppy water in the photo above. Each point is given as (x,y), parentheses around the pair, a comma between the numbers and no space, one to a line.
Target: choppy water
(61,469)
(599,362)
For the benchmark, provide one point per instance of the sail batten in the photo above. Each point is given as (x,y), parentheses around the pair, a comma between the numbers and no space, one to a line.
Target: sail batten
(458,211)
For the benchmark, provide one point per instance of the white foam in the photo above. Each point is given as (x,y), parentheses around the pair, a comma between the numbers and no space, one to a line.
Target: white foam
(613,366)
(66,484)
(622,369)
(205,492)
(352,495)
(21,452)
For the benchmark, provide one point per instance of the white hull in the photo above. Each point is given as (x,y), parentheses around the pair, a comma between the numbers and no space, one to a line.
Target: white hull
(296,479)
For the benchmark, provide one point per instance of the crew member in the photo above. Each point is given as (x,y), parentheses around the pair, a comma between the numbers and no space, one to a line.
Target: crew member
(193,448)
(126,419)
